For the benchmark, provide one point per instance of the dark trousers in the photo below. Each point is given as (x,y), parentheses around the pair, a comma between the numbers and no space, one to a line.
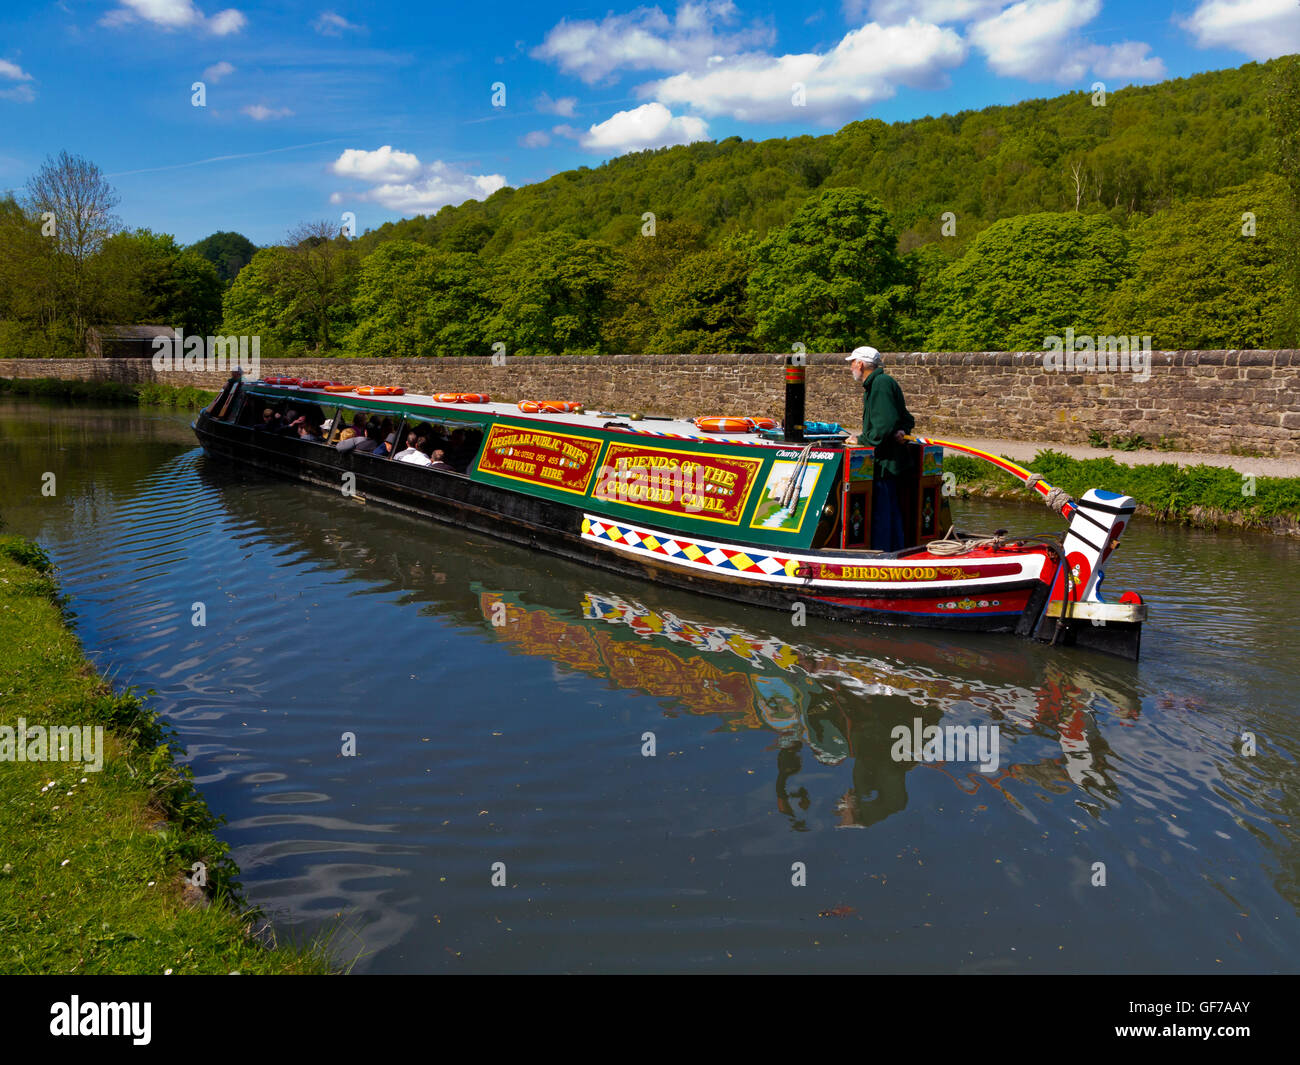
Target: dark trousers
(886,516)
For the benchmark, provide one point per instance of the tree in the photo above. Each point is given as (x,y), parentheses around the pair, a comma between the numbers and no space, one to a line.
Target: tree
(703,305)
(320,270)
(1027,278)
(650,258)
(832,276)
(412,300)
(1211,273)
(154,281)
(33,320)
(75,207)
(1284,125)
(553,296)
(262,301)
(228,252)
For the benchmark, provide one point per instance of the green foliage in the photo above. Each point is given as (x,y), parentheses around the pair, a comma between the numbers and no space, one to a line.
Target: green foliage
(831,277)
(649,259)
(553,296)
(412,300)
(1284,126)
(703,304)
(227,252)
(156,282)
(1198,281)
(1027,278)
(26,553)
(261,303)
(145,395)
(1150,146)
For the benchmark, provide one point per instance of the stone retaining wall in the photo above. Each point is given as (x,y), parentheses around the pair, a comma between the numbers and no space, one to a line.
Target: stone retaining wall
(1212,401)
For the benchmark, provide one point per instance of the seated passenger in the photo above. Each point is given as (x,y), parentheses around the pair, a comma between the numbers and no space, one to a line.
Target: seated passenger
(268,422)
(416,451)
(306,431)
(439,461)
(365,444)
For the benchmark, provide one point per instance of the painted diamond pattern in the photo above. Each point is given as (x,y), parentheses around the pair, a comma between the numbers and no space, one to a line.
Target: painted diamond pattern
(742,561)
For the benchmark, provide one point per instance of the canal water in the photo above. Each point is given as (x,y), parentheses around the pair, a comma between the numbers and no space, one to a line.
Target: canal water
(501,811)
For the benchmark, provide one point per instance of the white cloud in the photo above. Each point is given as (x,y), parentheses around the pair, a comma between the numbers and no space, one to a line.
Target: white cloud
(646,39)
(538,138)
(175,15)
(866,66)
(1262,29)
(1038,40)
(565,106)
(23,94)
(13,71)
(402,183)
(336,198)
(938,11)
(218,71)
(647,126)
(260,112)
(382,164)
(332,24)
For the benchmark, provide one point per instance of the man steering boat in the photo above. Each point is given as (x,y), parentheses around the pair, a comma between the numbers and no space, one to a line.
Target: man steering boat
(885,423)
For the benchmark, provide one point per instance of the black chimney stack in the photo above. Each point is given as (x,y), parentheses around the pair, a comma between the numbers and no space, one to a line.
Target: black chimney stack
(795,367)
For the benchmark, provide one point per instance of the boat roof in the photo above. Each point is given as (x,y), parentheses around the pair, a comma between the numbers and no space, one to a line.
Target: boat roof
(648,425)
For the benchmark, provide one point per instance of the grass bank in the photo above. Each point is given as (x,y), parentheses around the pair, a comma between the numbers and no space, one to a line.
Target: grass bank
(145,395)
(97,868)
(1204,496)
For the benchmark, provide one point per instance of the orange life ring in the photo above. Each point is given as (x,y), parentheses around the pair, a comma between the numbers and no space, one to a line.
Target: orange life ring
(463,397)
(318,384)
(338,388)
(764,423)
(725,425)
(379,390)
(549,406)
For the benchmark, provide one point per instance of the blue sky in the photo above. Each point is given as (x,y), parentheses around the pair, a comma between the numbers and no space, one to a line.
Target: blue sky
(387,110)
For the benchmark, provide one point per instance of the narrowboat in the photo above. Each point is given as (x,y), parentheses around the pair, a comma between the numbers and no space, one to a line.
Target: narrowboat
(735,507)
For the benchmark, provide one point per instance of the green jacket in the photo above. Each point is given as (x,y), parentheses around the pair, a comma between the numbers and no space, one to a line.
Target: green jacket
(883,413)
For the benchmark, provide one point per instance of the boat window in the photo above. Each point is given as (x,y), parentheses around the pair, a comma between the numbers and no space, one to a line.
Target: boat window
(459,443)
(364,424)
(254,412)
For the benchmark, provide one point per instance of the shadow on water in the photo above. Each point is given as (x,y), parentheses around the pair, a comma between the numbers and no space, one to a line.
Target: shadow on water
(501,703)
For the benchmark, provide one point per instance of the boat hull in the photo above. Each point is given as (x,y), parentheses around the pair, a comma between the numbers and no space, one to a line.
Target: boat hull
(820,584)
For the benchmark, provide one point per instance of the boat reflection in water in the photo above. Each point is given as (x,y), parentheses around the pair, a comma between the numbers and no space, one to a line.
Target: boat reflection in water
(831,706)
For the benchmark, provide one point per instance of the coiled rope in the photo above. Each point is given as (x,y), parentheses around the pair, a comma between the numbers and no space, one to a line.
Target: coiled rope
(948,544)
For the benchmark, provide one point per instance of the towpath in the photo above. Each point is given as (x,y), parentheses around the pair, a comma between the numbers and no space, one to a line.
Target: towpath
(1023,452)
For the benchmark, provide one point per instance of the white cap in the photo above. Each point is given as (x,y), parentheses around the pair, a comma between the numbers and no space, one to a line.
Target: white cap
(868,355)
